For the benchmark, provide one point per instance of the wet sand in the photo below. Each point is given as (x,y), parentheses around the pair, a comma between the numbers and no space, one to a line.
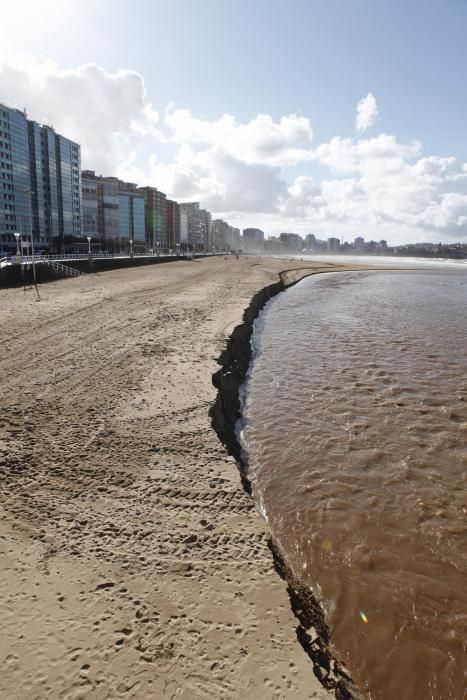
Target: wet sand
(132,562)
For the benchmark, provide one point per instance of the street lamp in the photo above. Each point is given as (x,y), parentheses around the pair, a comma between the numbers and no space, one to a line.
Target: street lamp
(31,192)
(89,246)
(17,236)
(157,248)
(131,248)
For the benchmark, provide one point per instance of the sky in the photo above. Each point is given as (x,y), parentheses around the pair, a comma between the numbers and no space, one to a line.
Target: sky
(332,117)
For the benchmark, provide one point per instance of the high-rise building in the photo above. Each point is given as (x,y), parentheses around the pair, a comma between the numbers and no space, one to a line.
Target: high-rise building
(333,245)
(131,212)
(40,182)
(195,222)
(15,178)
(156,217)
(206,228)
(107,195)
(112,209)
(291,242)
(233,238)
(100,206)
(253,240)
(359,244)
(224,237)
(273,245)
(173,223)
(131,216)
(310,241)
(220,235)
(89,186)
(183,227)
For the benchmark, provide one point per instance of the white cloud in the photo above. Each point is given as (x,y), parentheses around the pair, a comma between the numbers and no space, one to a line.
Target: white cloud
(379,181)
(346,155)
(260,140)
(449,213)
(374,184)
(222,182)
(108,113)
(367,112)
(239,169)
(231,166)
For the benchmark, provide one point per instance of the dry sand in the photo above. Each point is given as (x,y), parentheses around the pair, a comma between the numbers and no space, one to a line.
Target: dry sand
(132,563)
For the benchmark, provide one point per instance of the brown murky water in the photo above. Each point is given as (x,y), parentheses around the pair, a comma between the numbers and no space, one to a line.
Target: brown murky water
(356,434)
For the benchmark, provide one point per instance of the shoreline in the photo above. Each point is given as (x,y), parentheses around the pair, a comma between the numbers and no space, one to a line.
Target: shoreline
(132,563)
(312,632)
(304,315)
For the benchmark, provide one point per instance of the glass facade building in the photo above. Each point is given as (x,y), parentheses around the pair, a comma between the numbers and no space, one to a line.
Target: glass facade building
(131,216)
(112,209)
(89,187)
(108,209)
(68,165)
(40,183)
(15,180)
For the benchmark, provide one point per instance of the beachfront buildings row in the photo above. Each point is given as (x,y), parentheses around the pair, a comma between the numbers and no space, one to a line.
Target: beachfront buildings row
(40,182)
(114,210)
(224,236)
(45,197)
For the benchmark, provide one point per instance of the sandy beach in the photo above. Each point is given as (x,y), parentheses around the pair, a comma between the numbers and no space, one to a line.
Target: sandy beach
(133,562)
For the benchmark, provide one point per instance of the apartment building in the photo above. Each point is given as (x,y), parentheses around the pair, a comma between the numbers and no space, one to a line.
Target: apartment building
(156,217)
(40,183)
(291,242)
(359,244)
(233,238)
(131,213)
(253,240)
(100,206)
(196,224)
(220,234)
(173,224)
(224,236)
(183,227)
(113,210)
(333,245)
(206,226)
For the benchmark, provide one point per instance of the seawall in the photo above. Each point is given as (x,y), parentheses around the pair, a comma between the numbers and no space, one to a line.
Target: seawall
(13,275)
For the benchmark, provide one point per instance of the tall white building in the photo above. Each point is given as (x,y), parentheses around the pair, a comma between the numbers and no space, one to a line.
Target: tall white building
(206,228)
(195,223)
(233,238)
(291,242)
(183,226)
(253,240)
(359,244)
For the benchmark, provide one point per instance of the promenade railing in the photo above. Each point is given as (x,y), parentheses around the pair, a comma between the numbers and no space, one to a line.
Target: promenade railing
(28,259)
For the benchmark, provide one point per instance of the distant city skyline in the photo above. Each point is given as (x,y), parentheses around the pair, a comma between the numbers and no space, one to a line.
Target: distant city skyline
(328,118)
